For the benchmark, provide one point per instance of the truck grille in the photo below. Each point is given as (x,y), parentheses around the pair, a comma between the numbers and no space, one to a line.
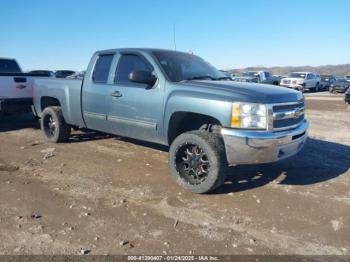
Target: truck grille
(287,116)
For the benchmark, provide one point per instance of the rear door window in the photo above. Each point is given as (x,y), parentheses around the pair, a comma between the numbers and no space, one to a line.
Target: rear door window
(102,67)
(129,63)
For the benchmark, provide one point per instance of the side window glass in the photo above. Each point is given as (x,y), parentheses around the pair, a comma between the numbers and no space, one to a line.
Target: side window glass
(102,67)
(128,64)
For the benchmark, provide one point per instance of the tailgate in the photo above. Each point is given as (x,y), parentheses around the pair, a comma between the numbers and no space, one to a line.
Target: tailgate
(15,86)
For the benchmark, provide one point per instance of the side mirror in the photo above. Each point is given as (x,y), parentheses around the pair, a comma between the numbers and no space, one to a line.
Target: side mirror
(143,77)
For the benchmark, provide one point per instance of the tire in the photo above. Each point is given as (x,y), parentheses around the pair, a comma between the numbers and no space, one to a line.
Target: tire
(209,150)
(316,88)
(53,126)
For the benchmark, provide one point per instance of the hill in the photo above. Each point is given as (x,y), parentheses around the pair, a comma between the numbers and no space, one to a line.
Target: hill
(338,70)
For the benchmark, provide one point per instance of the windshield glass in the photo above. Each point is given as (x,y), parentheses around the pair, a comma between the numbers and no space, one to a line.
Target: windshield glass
(297,75)
(181,66)
(250,74)
(326,78)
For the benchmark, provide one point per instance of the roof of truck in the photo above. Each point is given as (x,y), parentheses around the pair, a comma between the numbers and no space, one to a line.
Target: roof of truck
(138,49)
(7,58)
(303,72)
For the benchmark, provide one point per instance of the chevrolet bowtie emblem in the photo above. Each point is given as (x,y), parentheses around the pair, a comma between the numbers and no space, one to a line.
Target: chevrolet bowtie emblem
(298,112)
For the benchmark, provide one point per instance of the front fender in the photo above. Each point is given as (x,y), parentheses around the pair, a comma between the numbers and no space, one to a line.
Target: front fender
(216,106)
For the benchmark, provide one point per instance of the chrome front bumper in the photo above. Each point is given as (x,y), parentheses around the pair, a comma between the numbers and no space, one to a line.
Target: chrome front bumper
(292,86)
(254,147)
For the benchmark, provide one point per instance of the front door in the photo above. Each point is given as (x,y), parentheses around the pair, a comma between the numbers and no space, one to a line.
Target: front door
(134,110)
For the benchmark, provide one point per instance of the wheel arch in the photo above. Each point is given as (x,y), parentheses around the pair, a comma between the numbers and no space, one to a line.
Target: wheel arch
(183,121)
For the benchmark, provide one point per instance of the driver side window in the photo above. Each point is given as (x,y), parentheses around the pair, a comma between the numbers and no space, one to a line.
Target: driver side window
(128,63)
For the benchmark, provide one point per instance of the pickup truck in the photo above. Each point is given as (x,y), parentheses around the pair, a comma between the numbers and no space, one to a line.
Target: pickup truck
(262,77)
(302,81)
(179,100)
(13,93)
(15,87)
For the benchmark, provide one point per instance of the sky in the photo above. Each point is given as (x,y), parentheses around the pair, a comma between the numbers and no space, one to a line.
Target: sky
(63,34)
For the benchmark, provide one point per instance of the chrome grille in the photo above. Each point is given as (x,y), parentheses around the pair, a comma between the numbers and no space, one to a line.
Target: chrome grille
(287,116)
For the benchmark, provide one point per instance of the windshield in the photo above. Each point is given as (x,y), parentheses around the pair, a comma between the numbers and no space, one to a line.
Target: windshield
(9,66)
(250,74)
(297,75)
(181,66)
(326,78)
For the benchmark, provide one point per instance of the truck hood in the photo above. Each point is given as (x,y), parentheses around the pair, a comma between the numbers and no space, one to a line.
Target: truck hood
(244,77)
(293,78)
(248,92)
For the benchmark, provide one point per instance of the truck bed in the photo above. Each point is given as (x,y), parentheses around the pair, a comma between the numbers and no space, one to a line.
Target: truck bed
(68,91)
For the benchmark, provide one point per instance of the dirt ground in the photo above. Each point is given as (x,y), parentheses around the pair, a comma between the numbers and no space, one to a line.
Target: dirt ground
(109,195)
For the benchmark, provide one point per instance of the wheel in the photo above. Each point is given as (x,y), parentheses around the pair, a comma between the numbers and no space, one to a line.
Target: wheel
(53,125)
(316,88)
(197,161)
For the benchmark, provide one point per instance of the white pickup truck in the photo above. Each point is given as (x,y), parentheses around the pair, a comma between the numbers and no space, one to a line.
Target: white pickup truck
(15,87)
(302,80)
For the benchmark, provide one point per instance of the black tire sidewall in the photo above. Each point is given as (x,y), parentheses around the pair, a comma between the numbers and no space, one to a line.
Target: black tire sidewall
(215,156)
(61,133)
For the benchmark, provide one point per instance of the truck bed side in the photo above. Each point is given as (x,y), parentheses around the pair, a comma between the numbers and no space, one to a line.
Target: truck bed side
(63,92)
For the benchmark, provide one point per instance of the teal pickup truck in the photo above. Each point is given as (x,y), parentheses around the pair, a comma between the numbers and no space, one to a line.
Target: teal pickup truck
(180,100)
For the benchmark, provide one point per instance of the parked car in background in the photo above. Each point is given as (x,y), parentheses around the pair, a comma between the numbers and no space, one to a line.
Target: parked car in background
(64,73)
(262,77)
(327,81)
(347,96)
(347,78)
(226,73)
(340,86)
(302,81)
(15,87)
(9,65)
(47,73)
(179,100)
(279,78)
(77,75)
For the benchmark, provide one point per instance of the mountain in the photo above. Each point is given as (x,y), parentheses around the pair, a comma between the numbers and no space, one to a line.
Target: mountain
(338,70)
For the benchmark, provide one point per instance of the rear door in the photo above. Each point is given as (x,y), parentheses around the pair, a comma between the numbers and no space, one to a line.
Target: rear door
(95,93)
(134,110)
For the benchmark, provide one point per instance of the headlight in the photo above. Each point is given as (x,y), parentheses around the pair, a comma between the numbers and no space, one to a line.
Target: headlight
(249,116)
(300,82)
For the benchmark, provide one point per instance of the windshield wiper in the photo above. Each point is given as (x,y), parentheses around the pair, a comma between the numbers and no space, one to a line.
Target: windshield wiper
(200,77)
(223,78)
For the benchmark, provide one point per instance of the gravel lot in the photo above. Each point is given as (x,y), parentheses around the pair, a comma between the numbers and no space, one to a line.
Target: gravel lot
(108,195)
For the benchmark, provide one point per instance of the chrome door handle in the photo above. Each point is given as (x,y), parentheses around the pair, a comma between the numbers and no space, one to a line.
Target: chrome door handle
(116,94)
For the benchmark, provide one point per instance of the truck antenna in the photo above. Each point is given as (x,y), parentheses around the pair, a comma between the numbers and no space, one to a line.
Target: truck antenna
(174,35)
